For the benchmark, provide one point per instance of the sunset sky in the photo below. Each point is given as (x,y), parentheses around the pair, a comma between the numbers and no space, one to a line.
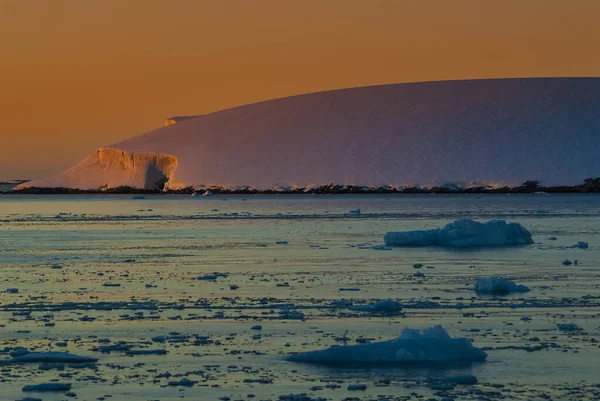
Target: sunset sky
(79,74)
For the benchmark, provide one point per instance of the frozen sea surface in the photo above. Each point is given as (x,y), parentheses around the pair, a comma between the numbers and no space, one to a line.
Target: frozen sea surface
(110,276)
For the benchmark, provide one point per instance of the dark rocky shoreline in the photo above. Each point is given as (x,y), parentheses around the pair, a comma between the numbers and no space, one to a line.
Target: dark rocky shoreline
(590,185)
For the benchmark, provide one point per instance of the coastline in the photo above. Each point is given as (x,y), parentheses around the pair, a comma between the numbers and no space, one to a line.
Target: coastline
(590,185)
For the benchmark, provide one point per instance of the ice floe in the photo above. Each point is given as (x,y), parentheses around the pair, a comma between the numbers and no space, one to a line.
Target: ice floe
(464,232)
(46,387)
(52,357)
(434,345)
(498,285)
(387,305)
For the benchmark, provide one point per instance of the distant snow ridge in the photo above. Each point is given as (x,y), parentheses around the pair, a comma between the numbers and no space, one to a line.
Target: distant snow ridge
(498,286)
(434,345)
(451,133)
(462,233)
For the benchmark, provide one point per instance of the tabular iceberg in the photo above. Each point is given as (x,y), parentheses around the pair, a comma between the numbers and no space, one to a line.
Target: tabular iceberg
(462,233)
(450,134)
(434,345)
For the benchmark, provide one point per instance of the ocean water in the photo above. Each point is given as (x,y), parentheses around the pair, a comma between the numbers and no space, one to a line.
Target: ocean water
(104,270)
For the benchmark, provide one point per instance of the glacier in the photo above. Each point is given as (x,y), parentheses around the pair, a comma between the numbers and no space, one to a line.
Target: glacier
(464,233)
(448,133)
(433,345)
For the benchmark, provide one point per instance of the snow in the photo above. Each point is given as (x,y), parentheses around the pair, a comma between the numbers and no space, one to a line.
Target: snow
(450,133)
(434,345)
(498,285)
(463,233)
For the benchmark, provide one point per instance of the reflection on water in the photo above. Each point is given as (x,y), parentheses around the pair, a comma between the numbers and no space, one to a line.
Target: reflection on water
(90,268)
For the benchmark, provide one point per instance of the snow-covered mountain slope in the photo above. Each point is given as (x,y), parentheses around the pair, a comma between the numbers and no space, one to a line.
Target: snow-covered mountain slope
(111,168)
(503,131)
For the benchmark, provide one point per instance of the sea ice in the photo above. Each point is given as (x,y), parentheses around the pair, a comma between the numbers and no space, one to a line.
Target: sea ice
(568,327)
(47,387)
(464,232)
(434,345)
(387,305)
(52,357)
(498,285)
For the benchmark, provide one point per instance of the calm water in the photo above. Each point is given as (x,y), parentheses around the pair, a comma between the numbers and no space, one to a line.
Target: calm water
(301,251)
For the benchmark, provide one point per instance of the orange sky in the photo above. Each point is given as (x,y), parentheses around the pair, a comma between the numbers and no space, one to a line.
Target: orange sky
(79,74)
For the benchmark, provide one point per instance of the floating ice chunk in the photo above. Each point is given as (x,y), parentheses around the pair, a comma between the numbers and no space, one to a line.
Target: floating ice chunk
(388,305)
(44,387)
(341,303)
(568,327)
(357,387)
(147,352)
(184,382)
(299,397)
(498,285)
(290,314)
(356,211)
(53,357)
(461,379)
(432,346)
(207,277)
(106,349)
(207,193)
(464,232)
(18,351)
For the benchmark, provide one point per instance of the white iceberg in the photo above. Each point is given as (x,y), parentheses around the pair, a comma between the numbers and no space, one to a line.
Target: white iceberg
(371,137)
(434,345)
(464,232)
(498,285)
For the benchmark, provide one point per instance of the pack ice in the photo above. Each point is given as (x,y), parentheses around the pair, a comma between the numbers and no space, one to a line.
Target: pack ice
(464,232)
(434,345)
